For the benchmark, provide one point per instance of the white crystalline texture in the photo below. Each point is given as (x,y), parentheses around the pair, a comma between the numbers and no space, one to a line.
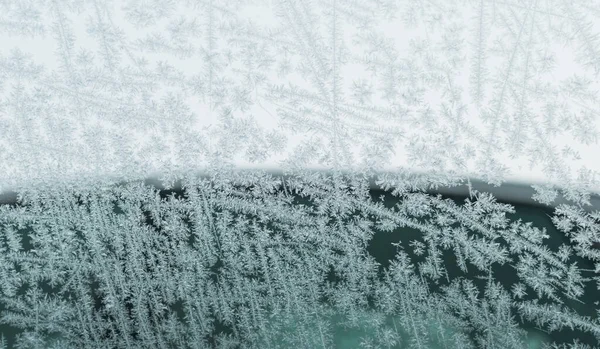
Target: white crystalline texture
(296,134)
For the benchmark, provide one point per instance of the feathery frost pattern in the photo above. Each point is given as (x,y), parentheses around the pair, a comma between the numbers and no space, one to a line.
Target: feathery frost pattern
(301,150)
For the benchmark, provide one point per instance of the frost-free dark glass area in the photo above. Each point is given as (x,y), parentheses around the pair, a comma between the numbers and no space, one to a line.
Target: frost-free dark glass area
(238,266)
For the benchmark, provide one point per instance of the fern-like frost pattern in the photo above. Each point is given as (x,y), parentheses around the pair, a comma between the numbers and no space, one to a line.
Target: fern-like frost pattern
(301,150)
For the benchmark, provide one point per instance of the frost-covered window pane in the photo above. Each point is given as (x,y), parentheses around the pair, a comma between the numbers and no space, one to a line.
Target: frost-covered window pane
(311,174)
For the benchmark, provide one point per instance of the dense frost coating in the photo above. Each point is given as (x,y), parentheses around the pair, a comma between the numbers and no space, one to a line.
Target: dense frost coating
(250,260)
(96,96)
(497,90)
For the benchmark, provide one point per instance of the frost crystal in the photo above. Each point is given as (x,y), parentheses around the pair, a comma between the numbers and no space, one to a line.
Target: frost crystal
(310,174)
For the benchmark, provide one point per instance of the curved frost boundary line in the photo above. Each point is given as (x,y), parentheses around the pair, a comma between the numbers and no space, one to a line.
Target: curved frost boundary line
(514,191)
